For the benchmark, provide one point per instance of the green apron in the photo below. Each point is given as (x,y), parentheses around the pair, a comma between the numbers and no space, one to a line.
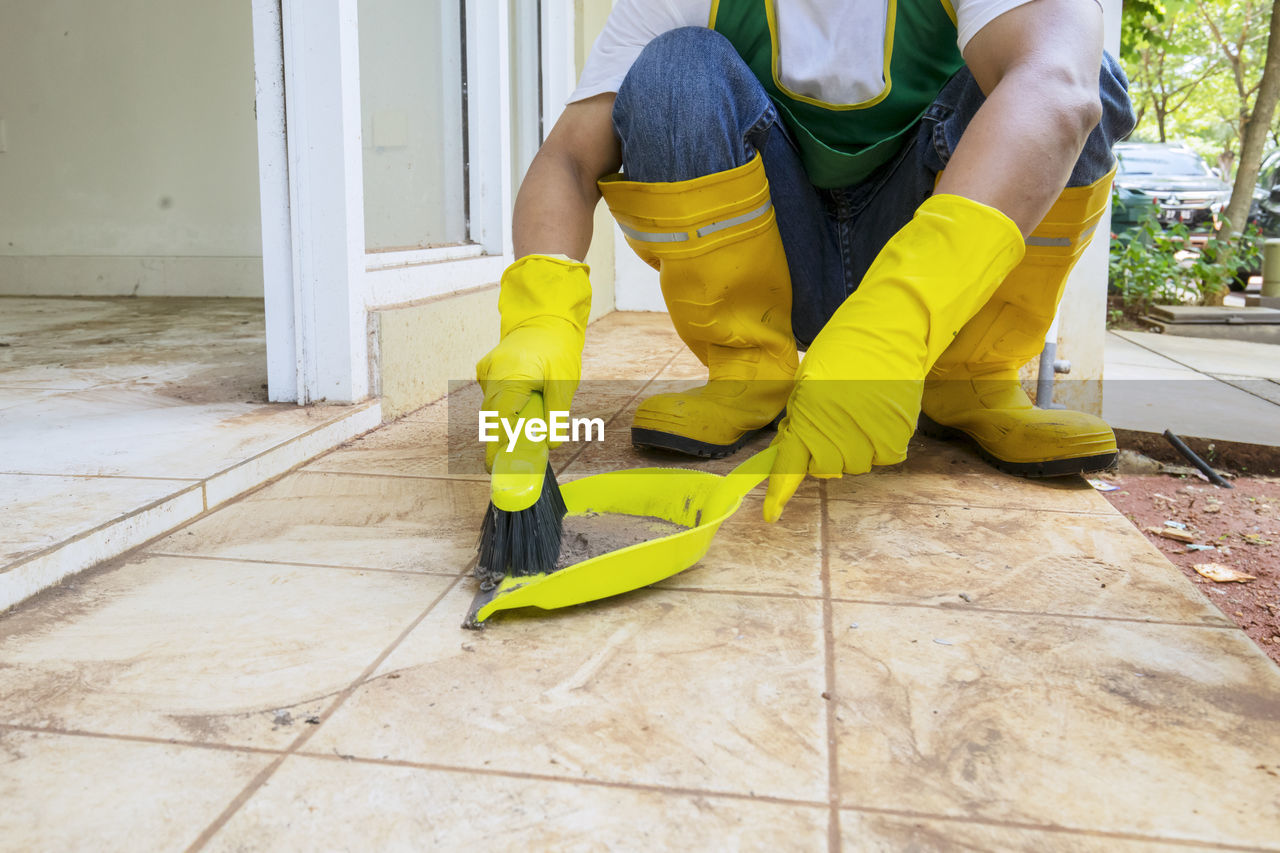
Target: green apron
(841,144)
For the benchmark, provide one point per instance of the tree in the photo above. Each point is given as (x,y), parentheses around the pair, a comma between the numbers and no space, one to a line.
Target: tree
(1165,66)
(1207,72)
(1257,122)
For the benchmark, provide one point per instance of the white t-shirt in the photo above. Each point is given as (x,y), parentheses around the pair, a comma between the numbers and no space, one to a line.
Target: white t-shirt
(830,50)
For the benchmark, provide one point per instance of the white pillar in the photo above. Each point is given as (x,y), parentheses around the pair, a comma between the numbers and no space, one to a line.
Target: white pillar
(314,269)
(1082,316)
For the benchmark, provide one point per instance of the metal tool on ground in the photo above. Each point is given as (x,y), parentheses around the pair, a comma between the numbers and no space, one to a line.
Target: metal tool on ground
(698,500)
(520,535)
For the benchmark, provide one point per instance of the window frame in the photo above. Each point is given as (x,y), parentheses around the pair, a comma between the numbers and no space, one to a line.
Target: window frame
(321,285)
(392,278)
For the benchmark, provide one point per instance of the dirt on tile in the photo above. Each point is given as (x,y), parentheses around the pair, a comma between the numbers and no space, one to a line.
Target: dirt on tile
(217,385)
(1238,528)
(595,533)
(195,350)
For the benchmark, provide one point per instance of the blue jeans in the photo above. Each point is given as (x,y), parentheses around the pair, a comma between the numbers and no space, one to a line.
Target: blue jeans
(713,115)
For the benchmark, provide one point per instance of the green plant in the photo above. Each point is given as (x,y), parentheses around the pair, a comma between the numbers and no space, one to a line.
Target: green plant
(1143,268)
(1225,259)
(1154,265)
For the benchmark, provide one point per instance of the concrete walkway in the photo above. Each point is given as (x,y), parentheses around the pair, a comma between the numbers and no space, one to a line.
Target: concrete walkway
(1213,389)
(930,657)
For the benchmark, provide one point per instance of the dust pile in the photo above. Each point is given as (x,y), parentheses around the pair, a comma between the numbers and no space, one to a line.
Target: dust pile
(596,533)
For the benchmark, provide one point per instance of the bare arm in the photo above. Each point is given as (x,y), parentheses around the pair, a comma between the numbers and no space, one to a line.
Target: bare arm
(1038,65)
(553,211)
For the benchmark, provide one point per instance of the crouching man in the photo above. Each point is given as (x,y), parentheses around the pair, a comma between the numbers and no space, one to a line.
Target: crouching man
(898,187)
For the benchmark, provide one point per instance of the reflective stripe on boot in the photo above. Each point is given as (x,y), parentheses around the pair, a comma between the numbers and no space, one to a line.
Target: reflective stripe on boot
(714,241)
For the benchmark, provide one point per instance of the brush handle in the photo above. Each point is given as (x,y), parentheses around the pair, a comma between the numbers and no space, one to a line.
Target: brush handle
(518,473)
(750,473)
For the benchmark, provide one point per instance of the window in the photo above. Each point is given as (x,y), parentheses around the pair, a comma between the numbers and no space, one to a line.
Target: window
(527,128)
(422,155)
(413,123)
(455,98)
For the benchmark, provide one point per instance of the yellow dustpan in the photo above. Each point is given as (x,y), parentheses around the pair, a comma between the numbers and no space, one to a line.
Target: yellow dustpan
(696,499)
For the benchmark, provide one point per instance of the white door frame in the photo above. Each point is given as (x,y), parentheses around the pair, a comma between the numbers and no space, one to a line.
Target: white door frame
(312,198)
(319,283)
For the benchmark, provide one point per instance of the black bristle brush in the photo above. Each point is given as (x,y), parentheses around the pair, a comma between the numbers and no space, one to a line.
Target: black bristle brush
(520,534)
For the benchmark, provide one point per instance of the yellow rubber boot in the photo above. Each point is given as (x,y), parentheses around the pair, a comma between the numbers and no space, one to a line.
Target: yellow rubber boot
(714,241)
(974,389)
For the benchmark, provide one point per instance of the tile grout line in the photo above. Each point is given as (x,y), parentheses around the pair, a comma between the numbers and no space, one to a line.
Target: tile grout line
(566,780)
(131,738)
(952,608)
(261,778)
(945,608)
(356,409)
(744,593)
(142,550)
(834,843)
(415,765)
(158,503)
(629,786)
(1089,513)
(444,478)
(735,795)
(73,476)
(201,484)
(1065,830)
(621,409)
(303,565)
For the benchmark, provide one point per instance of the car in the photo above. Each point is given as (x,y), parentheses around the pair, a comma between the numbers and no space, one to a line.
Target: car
(1174,178)
(1265,210)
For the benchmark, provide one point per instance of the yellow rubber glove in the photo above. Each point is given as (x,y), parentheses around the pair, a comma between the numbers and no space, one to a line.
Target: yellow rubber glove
(544,303)
(857,393)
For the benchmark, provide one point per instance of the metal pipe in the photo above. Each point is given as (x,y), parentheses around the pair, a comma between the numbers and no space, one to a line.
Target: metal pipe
(1181,447)
(1048,366)
(1044,376)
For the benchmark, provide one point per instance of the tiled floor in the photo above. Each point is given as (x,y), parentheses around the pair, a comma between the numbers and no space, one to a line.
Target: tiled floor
(122,418)
(1203,387)
(929,657)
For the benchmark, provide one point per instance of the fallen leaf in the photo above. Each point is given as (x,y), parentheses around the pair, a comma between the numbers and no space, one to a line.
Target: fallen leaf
(1176,535)
(1219,573)
(1254,539)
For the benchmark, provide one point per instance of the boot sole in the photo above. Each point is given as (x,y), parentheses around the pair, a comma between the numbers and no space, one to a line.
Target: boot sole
(1044,468)
(658,440)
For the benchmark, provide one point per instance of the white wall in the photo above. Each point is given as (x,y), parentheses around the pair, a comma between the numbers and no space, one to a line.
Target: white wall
(130,162)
